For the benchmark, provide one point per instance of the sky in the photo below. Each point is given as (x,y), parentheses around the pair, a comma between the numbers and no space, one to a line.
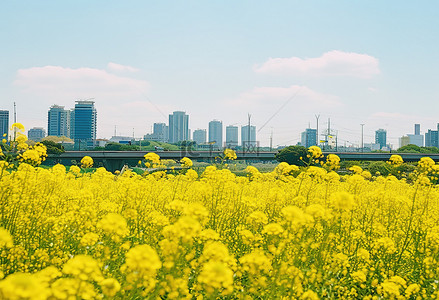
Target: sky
(284,62)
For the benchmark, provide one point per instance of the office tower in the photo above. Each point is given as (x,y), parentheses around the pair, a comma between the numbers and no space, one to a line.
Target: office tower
(248,136)
(84,123)
(216,133)
(178,127)
(416,139)
(160,132)
(417,129)
(232,136)
(58,121)
(381,138)
(199,136)
(404,141)
(432,138)
(309,137)
(36,134)
(4,124)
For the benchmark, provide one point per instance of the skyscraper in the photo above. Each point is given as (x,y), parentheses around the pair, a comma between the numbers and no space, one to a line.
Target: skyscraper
(416,139)
(248,137)
(199,136)
(432,138)
(160,132)
(58,121)
(36,134)
(216,133)
(308,137)
(417,129)
(232,136)
(381,138)
(84,122)
(4,123)
(178,127)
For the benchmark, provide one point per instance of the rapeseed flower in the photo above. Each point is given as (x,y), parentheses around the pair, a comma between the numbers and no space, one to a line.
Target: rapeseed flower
(86,162)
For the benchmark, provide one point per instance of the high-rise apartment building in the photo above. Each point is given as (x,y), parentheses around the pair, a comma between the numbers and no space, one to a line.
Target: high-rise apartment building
(309,137)
(4,123)
(381,138)
(232,137)
(199,136)
(216,133)
(160,132)
(248,136)
(36,134)
(178,127)
(83,119)
(58,121)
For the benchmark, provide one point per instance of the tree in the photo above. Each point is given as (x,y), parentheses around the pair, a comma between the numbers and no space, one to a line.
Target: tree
(410,148)
(53,147)
(57,139)
(292,155)
(186,145)
(120,147)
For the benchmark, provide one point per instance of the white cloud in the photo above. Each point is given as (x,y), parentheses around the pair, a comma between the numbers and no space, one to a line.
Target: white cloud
(120,100)
(332,63)
(77,83)
(120,68)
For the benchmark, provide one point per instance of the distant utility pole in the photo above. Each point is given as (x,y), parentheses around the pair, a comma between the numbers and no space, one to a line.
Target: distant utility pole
(271,140)
(329,132)
(15,121)
(249,122)
(362,136)
(336,141)
(317,130)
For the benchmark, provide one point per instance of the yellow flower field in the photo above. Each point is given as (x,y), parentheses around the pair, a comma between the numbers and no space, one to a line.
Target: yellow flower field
(293,233)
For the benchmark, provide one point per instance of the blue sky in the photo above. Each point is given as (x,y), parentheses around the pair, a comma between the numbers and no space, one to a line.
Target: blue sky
(372,62)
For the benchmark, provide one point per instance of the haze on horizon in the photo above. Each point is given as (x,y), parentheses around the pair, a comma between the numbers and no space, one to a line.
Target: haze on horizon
(368,62)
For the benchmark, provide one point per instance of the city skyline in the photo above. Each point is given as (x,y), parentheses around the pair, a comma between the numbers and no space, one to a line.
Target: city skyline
(61,122)
(282,62)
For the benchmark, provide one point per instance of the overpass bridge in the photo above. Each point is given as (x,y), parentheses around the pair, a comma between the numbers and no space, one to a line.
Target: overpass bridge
(115,160)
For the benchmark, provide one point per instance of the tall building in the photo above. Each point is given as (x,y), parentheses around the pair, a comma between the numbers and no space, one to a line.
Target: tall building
(216,133)
(232,136)
(178,127)
(36,134)
(84,123)
(309,137)
(4,123)
(199,136)
(160,132)
(416,139)
(404,141)
(432,138)
(381,138)
(248,136)
(58,121)
(417,129)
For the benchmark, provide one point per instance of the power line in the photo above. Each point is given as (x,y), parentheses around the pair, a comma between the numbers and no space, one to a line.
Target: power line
(280,108)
